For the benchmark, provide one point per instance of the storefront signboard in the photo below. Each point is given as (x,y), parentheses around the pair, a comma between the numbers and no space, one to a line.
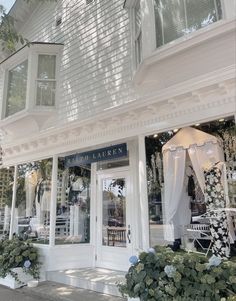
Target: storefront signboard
(102,154)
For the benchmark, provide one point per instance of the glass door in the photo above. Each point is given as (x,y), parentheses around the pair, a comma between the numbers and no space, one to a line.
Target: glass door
(114,240)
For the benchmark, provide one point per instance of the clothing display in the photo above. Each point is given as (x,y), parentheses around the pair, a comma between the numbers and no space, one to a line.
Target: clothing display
(31,180)
(215,203)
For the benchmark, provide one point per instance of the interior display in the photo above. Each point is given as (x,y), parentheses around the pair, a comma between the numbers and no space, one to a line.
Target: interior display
(198,146)
(73,204)
(215,204)
(182,154)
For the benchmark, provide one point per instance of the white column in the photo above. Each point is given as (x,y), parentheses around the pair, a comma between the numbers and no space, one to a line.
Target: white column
(13,203)
(144,218)
(53,203)
(93,205)
(134,196)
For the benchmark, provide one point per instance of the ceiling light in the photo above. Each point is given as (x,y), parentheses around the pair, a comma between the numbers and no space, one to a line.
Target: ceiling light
(221,120)
(154,136)
(197,124)
(175,130)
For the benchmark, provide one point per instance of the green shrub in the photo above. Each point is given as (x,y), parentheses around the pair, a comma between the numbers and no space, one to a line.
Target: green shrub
(162,274)
(17,253)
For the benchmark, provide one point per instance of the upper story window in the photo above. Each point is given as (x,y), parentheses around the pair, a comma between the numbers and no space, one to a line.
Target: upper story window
(46,80)
(30,79)
(176,18)
(16,89)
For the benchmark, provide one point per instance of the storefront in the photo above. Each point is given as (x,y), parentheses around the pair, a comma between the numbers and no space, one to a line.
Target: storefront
(101,205)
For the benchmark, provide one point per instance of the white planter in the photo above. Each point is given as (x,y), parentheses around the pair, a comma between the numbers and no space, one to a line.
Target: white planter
(133,299)
(12,283)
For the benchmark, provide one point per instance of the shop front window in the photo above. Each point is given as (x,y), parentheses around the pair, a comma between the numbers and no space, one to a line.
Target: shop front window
(6,182)
(191,175)
(33,199)
(176,18)
(73,204)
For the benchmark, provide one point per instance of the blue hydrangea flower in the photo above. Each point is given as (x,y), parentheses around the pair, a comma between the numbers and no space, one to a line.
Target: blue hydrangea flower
(133,259)
(27,264)
(151,250)
(170,270)
(214,261)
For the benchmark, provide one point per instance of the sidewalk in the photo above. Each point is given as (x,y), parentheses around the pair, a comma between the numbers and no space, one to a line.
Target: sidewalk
(52,291)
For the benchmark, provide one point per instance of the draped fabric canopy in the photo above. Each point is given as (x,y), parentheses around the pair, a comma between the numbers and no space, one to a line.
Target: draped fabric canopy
(201,148)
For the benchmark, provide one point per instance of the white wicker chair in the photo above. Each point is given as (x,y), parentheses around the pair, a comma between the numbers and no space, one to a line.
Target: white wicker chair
(197,233)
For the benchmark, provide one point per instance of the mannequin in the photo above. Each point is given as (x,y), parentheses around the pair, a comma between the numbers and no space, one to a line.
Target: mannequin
(76,187)
(215,203)
(31,180)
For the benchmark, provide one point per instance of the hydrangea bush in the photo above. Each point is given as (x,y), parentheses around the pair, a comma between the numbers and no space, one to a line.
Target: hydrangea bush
(17,253)
(162,274)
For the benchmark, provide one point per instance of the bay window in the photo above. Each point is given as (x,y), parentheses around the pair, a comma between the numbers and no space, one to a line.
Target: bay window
(176,18)
(30,81)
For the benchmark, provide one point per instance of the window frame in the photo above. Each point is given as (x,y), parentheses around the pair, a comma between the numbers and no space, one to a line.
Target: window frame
(31,54)
(185,21)
(37,79)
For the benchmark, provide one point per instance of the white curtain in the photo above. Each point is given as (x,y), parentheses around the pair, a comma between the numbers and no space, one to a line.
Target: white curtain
(174,167)
(201,154)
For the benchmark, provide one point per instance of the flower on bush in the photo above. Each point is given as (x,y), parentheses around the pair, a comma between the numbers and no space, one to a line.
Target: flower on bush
(170,270)
(16,253)
(214,261)
(151,250)
(27,264)
(133,259)
(178,276)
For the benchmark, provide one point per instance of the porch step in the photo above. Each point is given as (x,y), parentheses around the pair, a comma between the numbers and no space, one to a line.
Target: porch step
(99,280)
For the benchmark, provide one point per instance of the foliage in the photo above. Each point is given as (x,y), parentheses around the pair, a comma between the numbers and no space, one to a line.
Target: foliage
(9,36)
(17,253)
(162,274)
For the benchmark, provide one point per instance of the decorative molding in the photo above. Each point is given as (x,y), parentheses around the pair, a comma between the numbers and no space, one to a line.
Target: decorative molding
(141,120)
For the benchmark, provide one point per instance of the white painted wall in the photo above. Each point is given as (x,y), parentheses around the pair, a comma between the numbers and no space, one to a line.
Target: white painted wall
(95,69)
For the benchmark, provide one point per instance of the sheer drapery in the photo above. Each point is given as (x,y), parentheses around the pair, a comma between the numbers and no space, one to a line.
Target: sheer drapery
(174,167)
(201,154)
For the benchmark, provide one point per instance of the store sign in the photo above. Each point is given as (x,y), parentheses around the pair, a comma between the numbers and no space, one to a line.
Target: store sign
(102,154)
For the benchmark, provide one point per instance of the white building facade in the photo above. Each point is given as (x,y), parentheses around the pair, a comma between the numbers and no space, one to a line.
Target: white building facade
(99,80)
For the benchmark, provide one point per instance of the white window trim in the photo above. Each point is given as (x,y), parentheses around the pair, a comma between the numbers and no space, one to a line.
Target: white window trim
(31,53)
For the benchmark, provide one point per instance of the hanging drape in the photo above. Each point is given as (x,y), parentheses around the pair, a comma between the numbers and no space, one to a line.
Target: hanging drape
(203,153)
(201,148)
(174,167)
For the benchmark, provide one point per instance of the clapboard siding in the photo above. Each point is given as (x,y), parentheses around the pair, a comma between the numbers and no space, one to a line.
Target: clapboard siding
(95,70)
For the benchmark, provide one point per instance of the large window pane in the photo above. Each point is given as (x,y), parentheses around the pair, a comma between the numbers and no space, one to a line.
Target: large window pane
(73,204)
(33,199)
(194,209)
(46,83)
(200,14)
(16,93)
(6,182)
(175,18)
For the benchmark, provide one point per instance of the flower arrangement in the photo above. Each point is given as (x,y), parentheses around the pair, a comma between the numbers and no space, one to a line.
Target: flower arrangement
(161,274)
(16,253)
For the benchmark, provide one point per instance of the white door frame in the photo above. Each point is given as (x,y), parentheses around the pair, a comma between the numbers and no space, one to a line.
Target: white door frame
(110,256)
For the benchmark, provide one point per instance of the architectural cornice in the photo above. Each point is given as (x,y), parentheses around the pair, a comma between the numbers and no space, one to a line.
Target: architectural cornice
(201,104)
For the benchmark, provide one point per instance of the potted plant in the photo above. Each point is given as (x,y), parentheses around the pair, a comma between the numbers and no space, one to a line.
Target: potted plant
(162,274)
(19,262)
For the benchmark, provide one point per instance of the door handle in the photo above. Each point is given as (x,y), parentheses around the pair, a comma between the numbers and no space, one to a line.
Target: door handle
(129,234)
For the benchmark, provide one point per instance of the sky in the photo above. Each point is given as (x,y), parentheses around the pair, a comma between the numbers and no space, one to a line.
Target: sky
(7,4)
